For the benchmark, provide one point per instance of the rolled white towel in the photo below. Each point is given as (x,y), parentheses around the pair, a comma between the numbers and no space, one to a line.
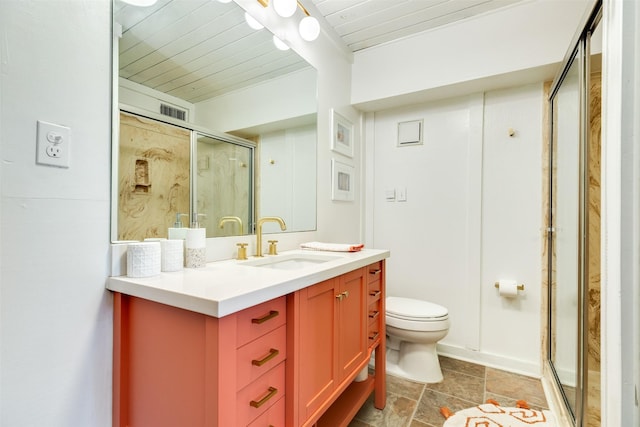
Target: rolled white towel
(333,247)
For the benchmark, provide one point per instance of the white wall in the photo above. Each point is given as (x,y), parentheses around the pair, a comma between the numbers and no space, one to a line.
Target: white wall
(55,315)
(621,213)
(472,217)
(515,45)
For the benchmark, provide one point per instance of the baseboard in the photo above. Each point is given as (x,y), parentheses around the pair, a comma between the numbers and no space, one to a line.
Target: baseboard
(491,360)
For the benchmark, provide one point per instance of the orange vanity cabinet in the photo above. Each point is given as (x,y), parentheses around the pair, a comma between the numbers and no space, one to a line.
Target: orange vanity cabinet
(174,367)
(287,362)
(331,338)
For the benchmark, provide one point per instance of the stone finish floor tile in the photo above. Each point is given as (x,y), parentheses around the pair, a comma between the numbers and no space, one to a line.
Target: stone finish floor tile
(403,387)
(511,402)
(515,386)
(428,410)
(460,385)
(414,404)
(416,423)
(397,412)
(473,369)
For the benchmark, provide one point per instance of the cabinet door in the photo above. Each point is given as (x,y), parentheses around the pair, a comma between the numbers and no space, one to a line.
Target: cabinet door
(352,327)
(318,351)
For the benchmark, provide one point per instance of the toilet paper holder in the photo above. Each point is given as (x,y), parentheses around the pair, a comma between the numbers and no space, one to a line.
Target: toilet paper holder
(520,287)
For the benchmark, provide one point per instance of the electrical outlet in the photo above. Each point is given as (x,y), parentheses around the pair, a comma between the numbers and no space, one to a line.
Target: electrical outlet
(53,145)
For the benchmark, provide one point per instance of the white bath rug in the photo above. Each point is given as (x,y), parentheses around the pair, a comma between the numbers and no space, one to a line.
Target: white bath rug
(490,415)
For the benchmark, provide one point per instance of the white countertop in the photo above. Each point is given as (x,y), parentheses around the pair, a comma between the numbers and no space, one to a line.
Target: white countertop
(225,287)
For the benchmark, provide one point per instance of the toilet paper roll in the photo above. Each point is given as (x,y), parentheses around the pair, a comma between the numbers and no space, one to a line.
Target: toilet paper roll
(172,255)
(362,375)
(143,259)
(508,288)
(119,257)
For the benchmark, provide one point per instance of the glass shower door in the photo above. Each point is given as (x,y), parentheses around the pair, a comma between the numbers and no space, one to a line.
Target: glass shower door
(565,264)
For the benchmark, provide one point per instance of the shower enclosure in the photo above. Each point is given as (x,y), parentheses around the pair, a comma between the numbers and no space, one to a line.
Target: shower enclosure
(573,228)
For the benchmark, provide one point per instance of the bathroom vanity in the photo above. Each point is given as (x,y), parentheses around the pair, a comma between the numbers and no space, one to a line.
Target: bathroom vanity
(276,341)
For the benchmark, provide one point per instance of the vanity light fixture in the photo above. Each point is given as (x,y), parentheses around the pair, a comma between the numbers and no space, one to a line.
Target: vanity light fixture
(309,27)
(285,8)
(279,43)
(252,22)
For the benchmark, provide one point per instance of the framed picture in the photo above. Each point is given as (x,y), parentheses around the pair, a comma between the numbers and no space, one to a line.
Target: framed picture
(342,135)
(343,181)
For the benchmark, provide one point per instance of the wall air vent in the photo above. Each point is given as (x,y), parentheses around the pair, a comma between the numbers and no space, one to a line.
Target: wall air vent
(171,111)
(410,133)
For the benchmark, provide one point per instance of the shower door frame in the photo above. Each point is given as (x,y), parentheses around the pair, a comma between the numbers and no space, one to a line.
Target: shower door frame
(580,51)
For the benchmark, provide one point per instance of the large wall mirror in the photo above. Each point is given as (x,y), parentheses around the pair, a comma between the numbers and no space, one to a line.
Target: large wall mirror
(210,118)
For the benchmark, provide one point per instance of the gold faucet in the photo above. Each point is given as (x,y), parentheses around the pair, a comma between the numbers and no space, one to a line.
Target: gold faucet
(261,221)
(231,219)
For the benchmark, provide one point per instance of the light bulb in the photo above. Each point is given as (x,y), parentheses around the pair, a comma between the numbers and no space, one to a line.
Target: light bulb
(309,28)
(279,43)
(253,22)
(142,3)
(285,8)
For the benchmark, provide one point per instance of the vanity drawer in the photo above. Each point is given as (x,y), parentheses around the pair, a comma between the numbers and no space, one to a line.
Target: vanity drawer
(374,292)
(373,333)
(374,272)
(273,417)
(373,313)
(256,398)
(258,356)
(256,321)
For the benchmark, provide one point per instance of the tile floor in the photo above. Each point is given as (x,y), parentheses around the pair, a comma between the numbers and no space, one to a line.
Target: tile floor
(412,404)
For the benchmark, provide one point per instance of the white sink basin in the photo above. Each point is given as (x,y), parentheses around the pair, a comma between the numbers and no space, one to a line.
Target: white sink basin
(290,261)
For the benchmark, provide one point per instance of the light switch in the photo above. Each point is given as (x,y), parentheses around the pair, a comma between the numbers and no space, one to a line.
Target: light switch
(390,195)
(402,194)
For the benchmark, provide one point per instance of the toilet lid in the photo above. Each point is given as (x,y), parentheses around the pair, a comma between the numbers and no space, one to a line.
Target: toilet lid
(414,309)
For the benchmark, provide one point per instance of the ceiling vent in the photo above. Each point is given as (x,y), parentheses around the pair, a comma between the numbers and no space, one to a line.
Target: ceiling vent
(175,112)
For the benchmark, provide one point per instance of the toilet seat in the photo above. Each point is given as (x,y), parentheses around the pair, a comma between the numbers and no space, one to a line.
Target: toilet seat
(415,310)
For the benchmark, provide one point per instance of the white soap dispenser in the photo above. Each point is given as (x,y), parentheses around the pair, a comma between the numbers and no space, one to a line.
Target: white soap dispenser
(196,244)
(178,231)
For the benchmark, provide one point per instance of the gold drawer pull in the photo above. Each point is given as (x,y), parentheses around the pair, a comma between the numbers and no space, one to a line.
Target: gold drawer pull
(271,315)
(342,295)
(272,353)
(374,314)
(259,403)
(374,293)
(374,336)
(375,272)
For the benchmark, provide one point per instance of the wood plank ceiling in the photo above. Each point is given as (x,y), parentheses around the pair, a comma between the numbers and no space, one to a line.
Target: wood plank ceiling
(366,23)
(198,49)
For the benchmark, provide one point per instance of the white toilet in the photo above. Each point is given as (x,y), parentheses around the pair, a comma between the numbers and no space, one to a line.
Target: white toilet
(413,329)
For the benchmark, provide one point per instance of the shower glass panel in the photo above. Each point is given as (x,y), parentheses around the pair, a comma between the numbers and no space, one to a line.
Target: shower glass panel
(224,186)
(565,230)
